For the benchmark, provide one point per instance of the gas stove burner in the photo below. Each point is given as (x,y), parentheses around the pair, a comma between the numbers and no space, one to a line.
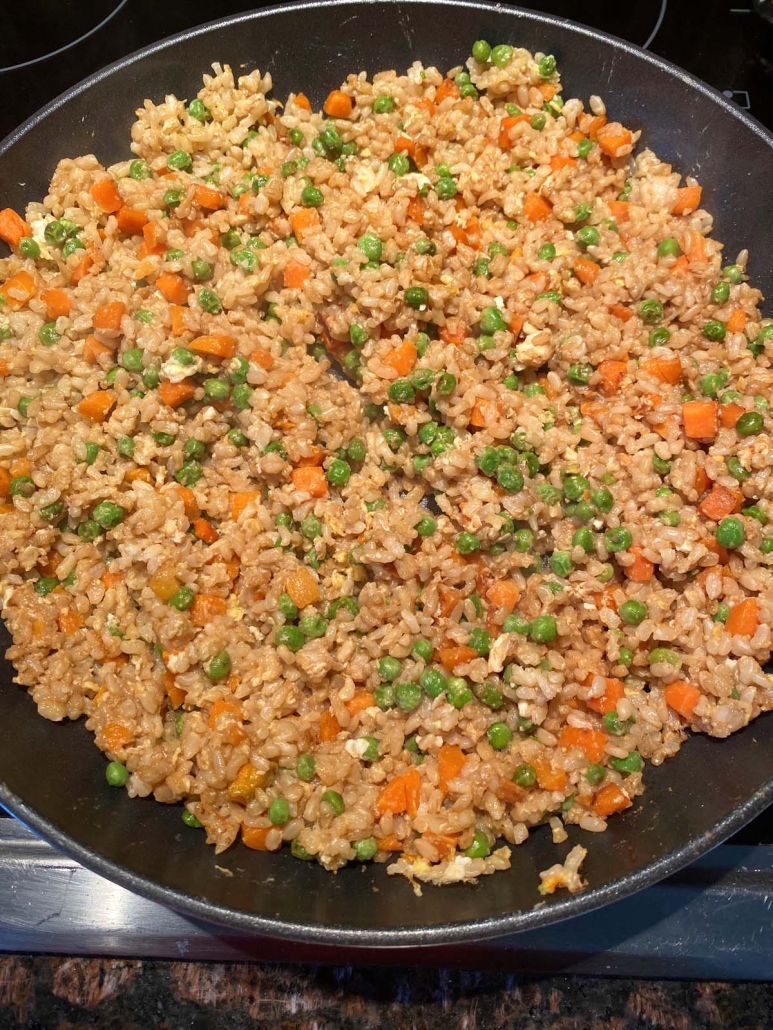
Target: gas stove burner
(38,30)
(638,22)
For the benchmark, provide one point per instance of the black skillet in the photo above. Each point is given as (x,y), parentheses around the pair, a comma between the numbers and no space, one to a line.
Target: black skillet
(52,777)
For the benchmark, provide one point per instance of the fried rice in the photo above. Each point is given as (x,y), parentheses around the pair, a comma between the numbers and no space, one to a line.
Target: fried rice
(389,481)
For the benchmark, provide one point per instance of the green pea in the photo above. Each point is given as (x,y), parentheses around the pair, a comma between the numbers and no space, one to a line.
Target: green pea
(446,188)
(489,696)
(491,321)
(366,848)
(602,499)
(311,196)
(766,545)
(561,563)
(480,268)
(163,439)
(660,465)
(108,515)
(416,297)
(730,532)
(394,437)
(720,293)
(339,473)
(399,164)
(336,802)
(432,682)
(279,812)
(595,774)
(198,109)
(209,301)
(626,656)
(632,763)
(575,487)
(180,161)
(661,655)
(458,692)
(579,374)
(219,667)
(547,252)
(190,473)
(583,538)
(750,423)
(586,237)
(714,330)
(70,246)
(669,248)
(543,629)
(290,637)
(445,384)
(116,774)
(650,311)
(525,775)
(733,274)
(88,531)
(618,539)
(182,599)
(61,229)
(407,696)
(426,526)
(244,258)
(401,392)
(499,735)
(523,539)
(48,335)
(481,51)
(287,607)
(124,445)
(755,512)
(480,847)
(240,398)
(383,105)
(313,626)
(467,543)
(670,518)
(28,248)
(479,640)
(139,170)
(632,612)
(389,668)
(547,66)
(510,479)
(584,147)
(613,725)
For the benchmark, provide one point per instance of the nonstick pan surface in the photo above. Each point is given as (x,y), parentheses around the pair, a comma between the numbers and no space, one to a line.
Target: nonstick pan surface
(52,776)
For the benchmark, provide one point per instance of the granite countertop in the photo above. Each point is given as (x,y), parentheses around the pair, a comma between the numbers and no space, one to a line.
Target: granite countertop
(122,994)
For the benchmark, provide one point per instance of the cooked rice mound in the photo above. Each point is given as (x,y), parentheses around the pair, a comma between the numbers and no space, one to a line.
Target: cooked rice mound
(471,585)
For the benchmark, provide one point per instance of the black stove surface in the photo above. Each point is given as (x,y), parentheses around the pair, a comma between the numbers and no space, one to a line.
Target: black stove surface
(727,43)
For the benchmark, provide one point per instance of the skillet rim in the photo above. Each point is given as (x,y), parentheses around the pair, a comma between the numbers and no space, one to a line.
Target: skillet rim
(445,933)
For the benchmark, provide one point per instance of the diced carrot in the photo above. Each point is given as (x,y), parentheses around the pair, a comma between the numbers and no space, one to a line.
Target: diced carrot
(151,236)
(612,374)
(389,843)
(459,234)
(446,89)
(484,412)
(214,346)
(729,414)
(609,800)
(402,358)
(700,419)
(221,707)
(586,270)
(175,694)
(454,332)
(106,194)
(472,228)
(509,792)
(667,369)
(301,100)
(445,843)
(188,498)
(449,598)
(682,697)
(3,367)
(177,319)
(681,266)
(175,394)
(205,531)
(416,209)
(405,145)
(240,500)
(338,105)
(425,104)
(701,483)
(558,162)
(173,287)
(5,483)
(116,736)
(536,208)
(69,621)
(548,90)
(642,569)
(302,587)
(311,480)
(592,742)
(612,140)
(744,618)
(94,349)
(109,315)
(111,579)
(362,699)
(314,456)
(737,320)
(456,655)
(688,199)
(20,467)
(263,358)
(714,547)
(401,794)
(329,727)
(295,274)
(58,303)
(595,124)
(208,198)
(139,473)
(619,209)
(504,593)
(608,700)
(450,761)
(720,501)
(516,324)
(621,312)
(506,125)
(254,837)
(696,248)
(18,290)
(549,778)
(577,136)
(303,220)
(13,227)
(130,221)
(96,406)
